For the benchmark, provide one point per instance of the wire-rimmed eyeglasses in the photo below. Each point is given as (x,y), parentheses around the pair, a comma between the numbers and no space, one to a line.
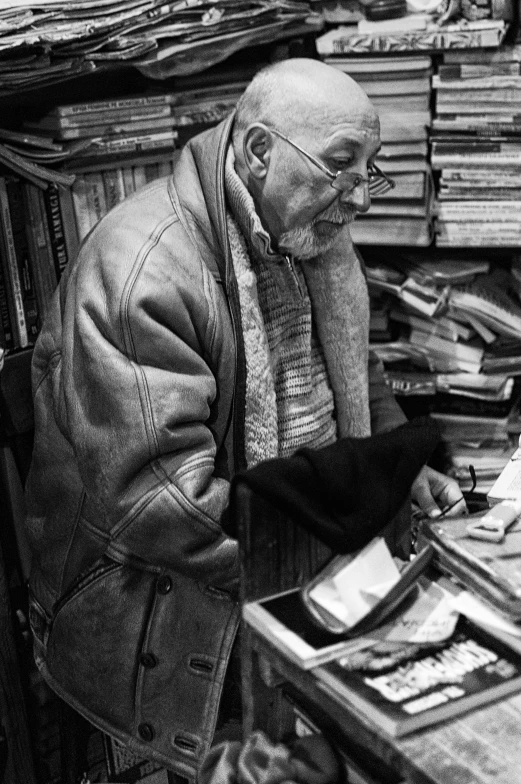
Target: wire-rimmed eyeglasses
(343,180)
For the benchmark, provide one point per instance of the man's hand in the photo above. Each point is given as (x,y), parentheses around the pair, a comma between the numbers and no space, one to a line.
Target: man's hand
(433,492)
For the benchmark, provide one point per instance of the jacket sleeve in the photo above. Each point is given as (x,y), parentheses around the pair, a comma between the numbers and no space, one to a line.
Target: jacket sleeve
(386,414)
(144,341)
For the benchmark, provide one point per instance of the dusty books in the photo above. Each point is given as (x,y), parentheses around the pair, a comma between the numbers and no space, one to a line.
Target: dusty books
(470,669)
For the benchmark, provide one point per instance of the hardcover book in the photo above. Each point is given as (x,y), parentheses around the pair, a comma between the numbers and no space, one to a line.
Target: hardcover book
(427,685)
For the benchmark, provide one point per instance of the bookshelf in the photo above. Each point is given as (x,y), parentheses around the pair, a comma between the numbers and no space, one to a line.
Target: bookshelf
(51,214)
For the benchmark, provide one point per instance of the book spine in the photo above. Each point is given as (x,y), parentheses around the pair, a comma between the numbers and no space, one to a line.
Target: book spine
(466,88)
(492,159)
(114,129)
(114,187)
(495,96)
(151,172)
(476,71)
(161,99)
(475,125)
(70,230)
(25,267)
(413,40)
(81,209)
(19,322)
(138,172)
(496,211)
(89,119)
(51,200)
(474,148)
(6,330)
(477,234)
(96,202)
(489,109)
(133,144)
(128,180)
(485,176)
(45,280)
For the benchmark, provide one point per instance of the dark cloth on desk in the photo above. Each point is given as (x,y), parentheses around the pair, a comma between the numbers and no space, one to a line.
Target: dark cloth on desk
(346,493)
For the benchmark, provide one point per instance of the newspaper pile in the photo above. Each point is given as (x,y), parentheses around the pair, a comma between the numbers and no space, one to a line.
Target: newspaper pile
(42,42)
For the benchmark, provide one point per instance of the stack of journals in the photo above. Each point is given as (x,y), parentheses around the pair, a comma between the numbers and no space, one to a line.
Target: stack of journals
(127,126)
(449,333)
(399,88)
(476,147)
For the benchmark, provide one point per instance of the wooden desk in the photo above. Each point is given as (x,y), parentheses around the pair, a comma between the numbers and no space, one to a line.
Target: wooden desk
(481,747)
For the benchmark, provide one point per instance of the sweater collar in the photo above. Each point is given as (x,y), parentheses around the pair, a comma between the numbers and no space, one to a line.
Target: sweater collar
(243,210)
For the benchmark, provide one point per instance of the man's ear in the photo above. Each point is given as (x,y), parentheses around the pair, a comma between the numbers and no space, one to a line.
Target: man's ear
(257,150)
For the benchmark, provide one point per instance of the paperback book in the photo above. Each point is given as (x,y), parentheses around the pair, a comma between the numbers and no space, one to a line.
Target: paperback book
(423,686)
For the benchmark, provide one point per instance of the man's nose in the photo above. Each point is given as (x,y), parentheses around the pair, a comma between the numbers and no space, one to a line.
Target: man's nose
(358,198)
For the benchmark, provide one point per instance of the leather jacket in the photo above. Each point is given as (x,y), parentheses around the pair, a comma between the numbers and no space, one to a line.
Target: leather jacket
(138,383)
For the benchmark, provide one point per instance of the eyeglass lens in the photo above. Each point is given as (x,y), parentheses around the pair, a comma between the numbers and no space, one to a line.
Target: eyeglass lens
(348,181)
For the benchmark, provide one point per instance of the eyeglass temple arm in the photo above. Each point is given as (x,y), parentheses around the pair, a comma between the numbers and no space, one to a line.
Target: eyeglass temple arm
(304,152)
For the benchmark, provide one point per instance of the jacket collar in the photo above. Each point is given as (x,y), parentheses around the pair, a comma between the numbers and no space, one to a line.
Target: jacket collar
(209,153)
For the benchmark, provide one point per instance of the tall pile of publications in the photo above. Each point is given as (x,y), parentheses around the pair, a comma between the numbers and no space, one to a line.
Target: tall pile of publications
(476,147)
(399,88)
(448,330)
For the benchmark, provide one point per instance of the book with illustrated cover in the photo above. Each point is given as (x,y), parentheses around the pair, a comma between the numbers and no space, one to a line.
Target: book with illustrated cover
(427,685)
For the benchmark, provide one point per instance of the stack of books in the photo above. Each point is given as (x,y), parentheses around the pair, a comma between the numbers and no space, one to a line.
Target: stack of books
(47,42)
(120,144)
(127,126)
(399,88)
(476,147)
(449,334)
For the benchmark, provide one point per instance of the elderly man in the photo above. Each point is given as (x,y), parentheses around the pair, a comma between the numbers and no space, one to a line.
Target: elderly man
(213,320)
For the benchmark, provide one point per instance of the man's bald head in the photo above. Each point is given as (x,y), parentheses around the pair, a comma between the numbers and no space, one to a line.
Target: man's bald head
(299,91)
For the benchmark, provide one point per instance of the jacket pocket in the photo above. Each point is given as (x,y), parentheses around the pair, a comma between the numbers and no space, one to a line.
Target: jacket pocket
(94,638)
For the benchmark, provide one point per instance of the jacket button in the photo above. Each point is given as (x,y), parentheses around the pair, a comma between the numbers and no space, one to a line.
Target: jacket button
(146,732)
(164,584)
(147,660)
